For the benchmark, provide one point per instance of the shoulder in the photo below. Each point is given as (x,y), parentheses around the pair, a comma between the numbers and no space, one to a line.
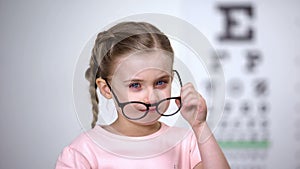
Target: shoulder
(79,154)
(81,140)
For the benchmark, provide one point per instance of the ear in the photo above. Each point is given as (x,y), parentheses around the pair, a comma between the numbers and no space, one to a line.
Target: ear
(103,87)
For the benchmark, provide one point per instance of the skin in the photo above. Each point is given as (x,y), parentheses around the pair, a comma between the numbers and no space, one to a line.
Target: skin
(138,77)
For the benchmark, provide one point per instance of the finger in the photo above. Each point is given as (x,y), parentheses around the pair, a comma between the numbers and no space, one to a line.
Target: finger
(194,101)
(189,95)
(188,86)
(177,103)
(187,90)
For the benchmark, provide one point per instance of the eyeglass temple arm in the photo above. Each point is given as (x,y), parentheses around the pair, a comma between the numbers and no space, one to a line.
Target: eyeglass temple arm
(179,78)
(110,88)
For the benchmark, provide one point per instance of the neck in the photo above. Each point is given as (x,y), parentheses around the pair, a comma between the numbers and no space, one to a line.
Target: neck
(128,128)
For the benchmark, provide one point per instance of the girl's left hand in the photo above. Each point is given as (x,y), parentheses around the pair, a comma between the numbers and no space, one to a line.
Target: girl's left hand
(194,108)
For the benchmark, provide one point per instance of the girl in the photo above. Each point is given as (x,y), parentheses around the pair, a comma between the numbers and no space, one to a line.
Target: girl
(132,63)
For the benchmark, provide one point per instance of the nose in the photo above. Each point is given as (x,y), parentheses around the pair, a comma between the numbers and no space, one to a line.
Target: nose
(151,96)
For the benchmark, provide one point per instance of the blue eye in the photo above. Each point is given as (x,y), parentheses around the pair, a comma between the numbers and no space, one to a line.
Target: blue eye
(134,85)
(161,83)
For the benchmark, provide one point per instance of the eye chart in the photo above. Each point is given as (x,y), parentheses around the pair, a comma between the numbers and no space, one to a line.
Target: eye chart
(256,43)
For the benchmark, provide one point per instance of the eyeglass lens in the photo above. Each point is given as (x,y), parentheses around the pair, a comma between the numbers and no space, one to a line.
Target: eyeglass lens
(165,107)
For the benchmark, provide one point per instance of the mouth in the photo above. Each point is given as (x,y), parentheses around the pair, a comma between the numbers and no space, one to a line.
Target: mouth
(150,110)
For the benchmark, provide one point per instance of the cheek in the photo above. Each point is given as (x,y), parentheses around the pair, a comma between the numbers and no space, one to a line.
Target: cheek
(164,93)
(123,94)
(168,93)
(169,89)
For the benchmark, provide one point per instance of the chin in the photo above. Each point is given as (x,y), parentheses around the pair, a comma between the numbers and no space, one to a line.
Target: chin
(147,122)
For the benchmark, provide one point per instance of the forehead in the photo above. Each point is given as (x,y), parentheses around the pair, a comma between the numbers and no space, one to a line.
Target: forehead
(136,63)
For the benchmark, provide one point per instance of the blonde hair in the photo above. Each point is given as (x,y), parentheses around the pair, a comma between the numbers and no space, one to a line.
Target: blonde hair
(121,39)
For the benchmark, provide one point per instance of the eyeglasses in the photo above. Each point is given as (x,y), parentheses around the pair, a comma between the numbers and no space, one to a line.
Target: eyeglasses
(136,110)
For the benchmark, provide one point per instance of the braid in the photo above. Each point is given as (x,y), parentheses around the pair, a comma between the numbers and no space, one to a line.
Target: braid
(93,72)
(95,102)
(91,75)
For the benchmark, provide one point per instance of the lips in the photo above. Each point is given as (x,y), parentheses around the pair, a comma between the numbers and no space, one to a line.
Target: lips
(150,109)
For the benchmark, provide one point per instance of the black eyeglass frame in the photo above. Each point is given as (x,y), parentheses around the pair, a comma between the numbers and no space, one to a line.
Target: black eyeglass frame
(122,105)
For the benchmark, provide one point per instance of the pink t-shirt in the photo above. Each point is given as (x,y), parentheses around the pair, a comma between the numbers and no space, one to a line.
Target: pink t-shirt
(168,148)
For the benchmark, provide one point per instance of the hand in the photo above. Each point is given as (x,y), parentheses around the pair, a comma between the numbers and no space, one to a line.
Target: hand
(194,108)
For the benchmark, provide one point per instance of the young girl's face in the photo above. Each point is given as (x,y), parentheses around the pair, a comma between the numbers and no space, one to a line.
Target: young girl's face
(145,77)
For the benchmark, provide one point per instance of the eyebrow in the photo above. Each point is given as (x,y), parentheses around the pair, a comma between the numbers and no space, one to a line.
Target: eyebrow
(140,80)
(133,80)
